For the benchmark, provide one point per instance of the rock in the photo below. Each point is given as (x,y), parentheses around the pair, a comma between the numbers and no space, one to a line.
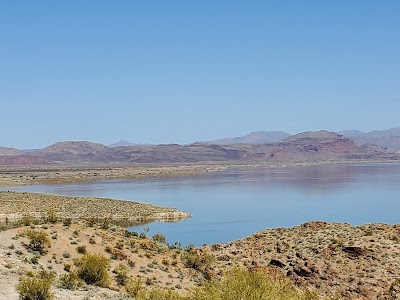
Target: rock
(315,225)
(354,251)
(303,271)
(277,263)
(224,257)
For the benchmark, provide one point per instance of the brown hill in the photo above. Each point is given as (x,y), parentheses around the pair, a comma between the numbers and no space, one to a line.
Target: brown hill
(322,134)
(4,151)
(307,146)
(74,147)
(23,160)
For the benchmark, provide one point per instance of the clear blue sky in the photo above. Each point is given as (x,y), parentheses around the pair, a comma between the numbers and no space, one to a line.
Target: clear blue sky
(181,71)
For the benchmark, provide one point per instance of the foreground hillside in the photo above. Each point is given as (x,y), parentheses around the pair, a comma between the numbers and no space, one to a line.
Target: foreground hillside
(88,260)
(316,260)
(338,260)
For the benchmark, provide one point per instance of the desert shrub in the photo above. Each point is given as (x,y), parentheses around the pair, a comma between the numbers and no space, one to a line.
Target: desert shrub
(197,260)
(120,244)
(70,281)
(38,240)
(105,223)
(45,274)
(34,260)
(133,286)
(160,238)
(92,268)
(26,220)
(131,263)
(148,281)
(67,267)
(90,222)
(159,294)
(37,287)
(81,249)
(121,274)
(67,222)
(51,216)
(241,284)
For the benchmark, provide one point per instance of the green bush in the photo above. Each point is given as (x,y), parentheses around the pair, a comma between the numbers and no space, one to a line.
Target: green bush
(67,222)
(160,238)
(241,284)
(26,220)
(159,294)
(37,287)
(38,240)
(133,286)
(121,274)
(92,268)
(81,249)
(197,260)
(70,281)
(51,216)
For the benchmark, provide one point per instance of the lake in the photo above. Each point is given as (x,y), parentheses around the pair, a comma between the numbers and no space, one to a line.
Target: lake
(235,203)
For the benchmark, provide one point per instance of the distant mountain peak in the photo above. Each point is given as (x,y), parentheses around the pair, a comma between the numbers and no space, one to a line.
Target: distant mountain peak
(388,139)
(4,151)
(322,134)
(254,138)
(75,147)
(123,143)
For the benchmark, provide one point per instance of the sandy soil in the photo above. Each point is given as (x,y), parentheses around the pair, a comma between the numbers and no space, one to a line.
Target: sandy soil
(153,262)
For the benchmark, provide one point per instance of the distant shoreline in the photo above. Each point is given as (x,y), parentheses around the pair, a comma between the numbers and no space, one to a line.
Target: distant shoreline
(58,174)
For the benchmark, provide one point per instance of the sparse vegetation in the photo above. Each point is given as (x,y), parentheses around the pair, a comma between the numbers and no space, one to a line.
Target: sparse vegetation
(70,281)
(121,274)
(36,287)
(159,238)
(133,286)
(241,284)
(81,249)
(92,268)
(38,240)
(197,260)
(28,208)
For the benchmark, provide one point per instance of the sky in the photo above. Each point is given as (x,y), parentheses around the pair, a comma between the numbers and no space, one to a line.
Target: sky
(184,71)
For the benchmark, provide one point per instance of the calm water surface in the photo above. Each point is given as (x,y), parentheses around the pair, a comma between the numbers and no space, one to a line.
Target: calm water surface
(233,204)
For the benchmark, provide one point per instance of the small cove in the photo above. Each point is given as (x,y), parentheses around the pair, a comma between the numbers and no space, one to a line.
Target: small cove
(235,203)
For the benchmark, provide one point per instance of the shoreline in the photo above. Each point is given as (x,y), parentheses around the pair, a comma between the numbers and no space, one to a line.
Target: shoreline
(35,206)
(11,176)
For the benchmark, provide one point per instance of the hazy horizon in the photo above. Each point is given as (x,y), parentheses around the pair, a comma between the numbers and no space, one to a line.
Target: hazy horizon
(194,141)
(180,72)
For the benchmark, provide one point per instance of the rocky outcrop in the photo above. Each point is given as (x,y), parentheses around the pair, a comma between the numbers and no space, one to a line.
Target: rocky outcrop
(352,262)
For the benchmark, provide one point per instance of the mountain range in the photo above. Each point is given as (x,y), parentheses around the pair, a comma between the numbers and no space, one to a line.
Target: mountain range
(388,139)
(257,146)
